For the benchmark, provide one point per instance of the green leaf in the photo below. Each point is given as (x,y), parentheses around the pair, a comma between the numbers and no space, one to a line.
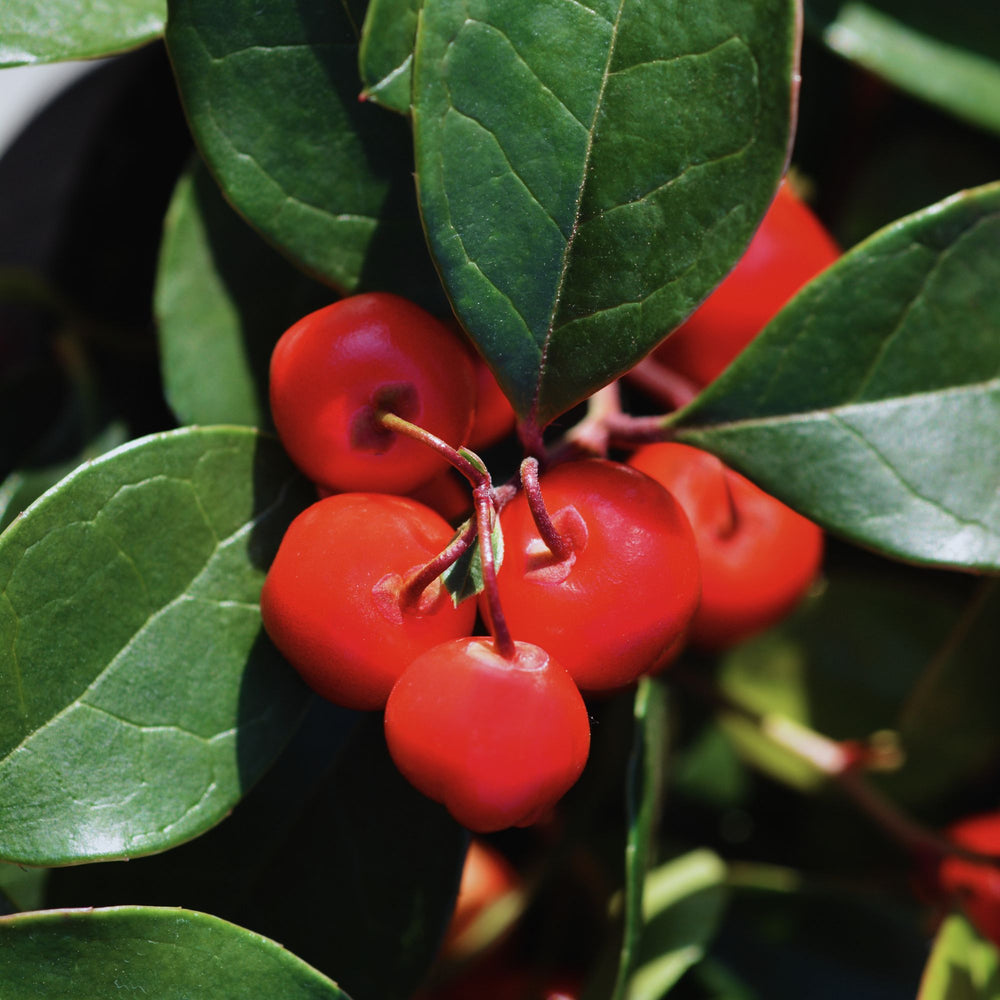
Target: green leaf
(946,54)
(223,297)
(144,950)
(962,965)
(386,54)
(55,30)
(871,403)
(271,93)
(23,888)
(139,697)
(588,191)
(644,801)
(683,904)
(464,578)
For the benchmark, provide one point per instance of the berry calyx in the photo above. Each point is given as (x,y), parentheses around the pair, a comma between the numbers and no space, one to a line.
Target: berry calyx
(622,587)
(496,740)
(336,600)
(335,371)
(789,249)
(758,556)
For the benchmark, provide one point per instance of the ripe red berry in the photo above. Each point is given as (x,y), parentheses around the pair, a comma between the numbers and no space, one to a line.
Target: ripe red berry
(975,886)
(628,587)
(337,367)
(495,417)
(332,603)
(497,741)
(790,248)
(758,556)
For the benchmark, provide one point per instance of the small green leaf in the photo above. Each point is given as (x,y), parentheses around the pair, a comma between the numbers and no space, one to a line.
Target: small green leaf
(386,54)
(947,54)
(464,578)
(55,30)
(143,950)
(683,904)
(871,403)
(223,297)
(588,190)
(271,93)
(139,698)
(962,965)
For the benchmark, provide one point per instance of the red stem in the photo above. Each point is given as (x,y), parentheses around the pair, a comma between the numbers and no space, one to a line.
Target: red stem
(662,383)
(425,575)
(483,499)
(393,422)
(560,546)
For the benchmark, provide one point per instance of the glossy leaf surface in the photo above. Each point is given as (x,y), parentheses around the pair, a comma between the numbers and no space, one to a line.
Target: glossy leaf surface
(946,54)
(223,297)
(140,698)
(145,950)
(271,93)
(584,194)
(55,30)
(847,407)
(386,53)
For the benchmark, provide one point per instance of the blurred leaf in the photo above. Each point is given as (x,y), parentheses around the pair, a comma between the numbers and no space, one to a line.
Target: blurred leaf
(41,31)
(386,53)
(946,54)
(871,403)
(324,177)
(141,949)
(140,698)
(709,770)
(583,195)
(223,297)
(962,965)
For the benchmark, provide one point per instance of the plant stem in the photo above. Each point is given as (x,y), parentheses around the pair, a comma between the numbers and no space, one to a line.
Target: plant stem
(483,500)
(559,545)
(425,575)
(393,422)
(662,383)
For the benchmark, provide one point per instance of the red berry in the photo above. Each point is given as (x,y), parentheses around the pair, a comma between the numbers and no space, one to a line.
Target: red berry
(495,417)
(758,557)
(976,887)
(496,741)
(331,600)
(790,248)
(335,368)
(626,591)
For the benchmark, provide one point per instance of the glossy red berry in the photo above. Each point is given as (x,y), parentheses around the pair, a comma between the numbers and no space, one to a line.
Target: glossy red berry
(332,601)
(337,367)
(790,248)
(495,417)
(758,556)
(975,887)
(497,741)
(627,589)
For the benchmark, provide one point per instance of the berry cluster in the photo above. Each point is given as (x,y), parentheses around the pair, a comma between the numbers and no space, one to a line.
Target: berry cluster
(589,574)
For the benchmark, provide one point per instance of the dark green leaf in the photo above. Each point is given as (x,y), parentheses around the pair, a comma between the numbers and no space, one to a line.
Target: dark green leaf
(223,297)
(271,93)
(588,173)
(142,950)
(871,403)
(683,904)
(37,32)
(386,54)
(962,965)
(644,802)
(22,888)
(139,698)
(947,54)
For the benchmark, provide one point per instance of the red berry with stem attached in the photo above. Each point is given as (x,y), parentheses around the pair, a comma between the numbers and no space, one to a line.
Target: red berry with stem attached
(496,740)
(758,556)
(626,586)
(337,368)
(334,601)
(975,886)
(790,248)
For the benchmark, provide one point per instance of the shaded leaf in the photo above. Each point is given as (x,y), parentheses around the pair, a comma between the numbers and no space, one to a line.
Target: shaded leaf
(223,297)
(22,888)
(146,950)
(386,54)
(583,195)
(947,54)
(33,32)
(139,698)
(962,965)
(324,177)
(871,403)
